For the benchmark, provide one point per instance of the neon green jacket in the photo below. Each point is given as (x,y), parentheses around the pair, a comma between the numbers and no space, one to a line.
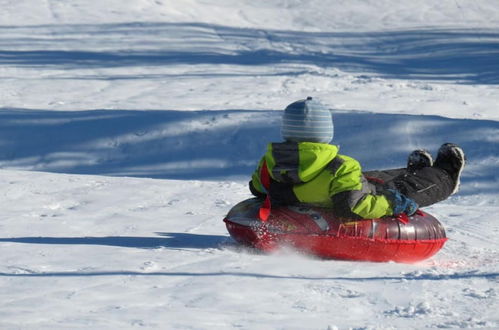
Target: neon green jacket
(314,173)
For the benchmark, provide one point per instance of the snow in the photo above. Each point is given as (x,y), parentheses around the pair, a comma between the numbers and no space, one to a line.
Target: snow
(128,129)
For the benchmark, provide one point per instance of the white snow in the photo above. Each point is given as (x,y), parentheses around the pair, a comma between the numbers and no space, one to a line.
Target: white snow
(128,129)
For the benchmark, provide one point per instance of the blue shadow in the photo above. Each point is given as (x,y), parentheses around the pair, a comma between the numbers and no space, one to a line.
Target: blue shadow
(166,240)
(220,145)
(463,55)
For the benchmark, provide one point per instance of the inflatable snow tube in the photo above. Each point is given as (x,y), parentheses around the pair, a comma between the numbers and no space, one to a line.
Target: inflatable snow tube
(318,232)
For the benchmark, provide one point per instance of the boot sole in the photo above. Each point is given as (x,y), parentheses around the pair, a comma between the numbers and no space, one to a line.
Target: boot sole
(458,180)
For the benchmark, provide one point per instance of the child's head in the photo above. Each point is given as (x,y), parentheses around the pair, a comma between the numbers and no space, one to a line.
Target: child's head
(307,121)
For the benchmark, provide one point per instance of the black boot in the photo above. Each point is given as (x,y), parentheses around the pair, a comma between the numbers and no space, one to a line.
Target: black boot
(418,159)
(451,158)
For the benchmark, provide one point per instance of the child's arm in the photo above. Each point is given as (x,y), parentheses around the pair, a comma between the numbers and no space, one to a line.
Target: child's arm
(352,195)
(255,185)
(255,192)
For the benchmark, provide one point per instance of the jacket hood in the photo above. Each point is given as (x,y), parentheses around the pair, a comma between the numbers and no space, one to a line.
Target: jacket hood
(292,162)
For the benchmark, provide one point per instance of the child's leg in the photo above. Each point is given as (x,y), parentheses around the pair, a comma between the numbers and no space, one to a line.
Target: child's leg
(382,176)
(425,186)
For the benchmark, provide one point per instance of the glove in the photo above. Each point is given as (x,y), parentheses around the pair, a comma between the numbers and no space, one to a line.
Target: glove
(402,203)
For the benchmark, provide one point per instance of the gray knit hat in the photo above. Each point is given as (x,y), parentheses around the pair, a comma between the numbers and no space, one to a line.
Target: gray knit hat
(307,121)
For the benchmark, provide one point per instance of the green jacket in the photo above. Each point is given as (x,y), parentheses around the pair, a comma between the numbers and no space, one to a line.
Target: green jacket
(314,173)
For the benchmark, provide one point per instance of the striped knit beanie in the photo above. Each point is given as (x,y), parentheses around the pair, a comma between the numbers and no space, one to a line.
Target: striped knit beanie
(307,121)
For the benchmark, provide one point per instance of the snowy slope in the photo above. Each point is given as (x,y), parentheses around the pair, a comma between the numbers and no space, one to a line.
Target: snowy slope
(129,129)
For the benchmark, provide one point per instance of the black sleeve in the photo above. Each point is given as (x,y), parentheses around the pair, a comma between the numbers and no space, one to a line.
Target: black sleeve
(341,206)
(255,192)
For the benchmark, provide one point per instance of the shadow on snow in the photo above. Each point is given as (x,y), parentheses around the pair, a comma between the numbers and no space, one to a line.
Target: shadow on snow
(197,241)
(167,240)
(225,144)
(465,55)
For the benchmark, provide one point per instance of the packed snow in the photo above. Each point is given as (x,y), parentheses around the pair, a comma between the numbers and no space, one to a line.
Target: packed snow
(128,129)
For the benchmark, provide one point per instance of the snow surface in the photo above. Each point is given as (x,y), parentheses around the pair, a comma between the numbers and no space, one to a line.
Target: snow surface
(128,129)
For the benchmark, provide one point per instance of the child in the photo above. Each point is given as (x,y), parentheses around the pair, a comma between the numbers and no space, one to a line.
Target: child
(305,168)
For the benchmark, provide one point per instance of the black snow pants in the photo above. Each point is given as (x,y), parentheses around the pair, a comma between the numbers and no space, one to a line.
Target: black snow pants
(425,186)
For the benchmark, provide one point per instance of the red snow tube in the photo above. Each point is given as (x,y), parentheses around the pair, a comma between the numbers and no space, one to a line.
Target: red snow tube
(317,231)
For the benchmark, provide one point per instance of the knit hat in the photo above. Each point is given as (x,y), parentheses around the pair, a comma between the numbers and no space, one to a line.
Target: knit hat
(307,121)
